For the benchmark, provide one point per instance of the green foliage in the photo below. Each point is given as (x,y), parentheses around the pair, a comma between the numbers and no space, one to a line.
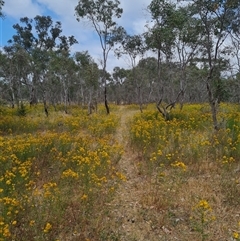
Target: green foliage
(21,110)
(1,6)
(161,36)
(88,69)
(101,12)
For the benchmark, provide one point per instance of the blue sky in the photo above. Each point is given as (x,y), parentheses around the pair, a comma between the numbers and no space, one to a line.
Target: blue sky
(5,30)
(134,19)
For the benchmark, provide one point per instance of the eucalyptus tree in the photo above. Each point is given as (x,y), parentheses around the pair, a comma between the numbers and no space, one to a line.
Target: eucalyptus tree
(39,37)
(8,85)
(88,75)
(63,68)
(148,69)
(218,19)
(8,78)
(133,46)
(188,34)
(235,40)
(119,76)
(161,39)
(16,68)
(235,54)
(104,79)
(102,15)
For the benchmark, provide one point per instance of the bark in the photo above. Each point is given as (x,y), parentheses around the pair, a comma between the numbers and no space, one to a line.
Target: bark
(105,100)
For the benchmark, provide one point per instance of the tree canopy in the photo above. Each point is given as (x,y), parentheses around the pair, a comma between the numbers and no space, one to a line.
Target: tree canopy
(1,6)
(189,53)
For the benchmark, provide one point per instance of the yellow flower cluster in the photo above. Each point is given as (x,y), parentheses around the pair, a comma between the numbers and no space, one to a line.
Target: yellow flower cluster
(179,164)
(49,189)
(187,136)
(4,230)
(227,160)
(47,228)
(46,163)
(236,234)
(203,204)
(70,173)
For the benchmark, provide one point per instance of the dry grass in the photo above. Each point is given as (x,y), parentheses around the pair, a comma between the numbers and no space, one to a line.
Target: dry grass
(175,180)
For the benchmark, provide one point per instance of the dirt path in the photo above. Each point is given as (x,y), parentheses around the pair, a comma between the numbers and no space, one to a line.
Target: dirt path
(127,212)
(152,205)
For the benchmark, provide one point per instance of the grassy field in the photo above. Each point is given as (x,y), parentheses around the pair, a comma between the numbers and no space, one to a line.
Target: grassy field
(61,176)
(56,173)
(194,171)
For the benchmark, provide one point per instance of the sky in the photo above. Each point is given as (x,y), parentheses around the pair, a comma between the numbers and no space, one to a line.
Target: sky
(133,19)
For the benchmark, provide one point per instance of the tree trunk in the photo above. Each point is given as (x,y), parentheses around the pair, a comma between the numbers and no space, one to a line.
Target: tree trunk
(105,99)
(105,80)
(12,97)
(45,104)
(213,104)
(140,99)
(33,94)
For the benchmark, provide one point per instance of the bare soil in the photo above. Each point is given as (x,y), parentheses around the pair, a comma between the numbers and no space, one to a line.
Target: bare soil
(128,214)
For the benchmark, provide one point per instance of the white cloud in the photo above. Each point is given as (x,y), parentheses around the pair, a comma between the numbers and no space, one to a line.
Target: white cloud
(23,8)
(134,9)
(63,8)
(134,15)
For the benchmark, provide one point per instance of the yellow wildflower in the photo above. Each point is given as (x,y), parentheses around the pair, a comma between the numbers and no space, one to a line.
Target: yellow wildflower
(31,223)
(47,228)
(6,231)
(236,235)
(84,197)
(14,222)
(204,204)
